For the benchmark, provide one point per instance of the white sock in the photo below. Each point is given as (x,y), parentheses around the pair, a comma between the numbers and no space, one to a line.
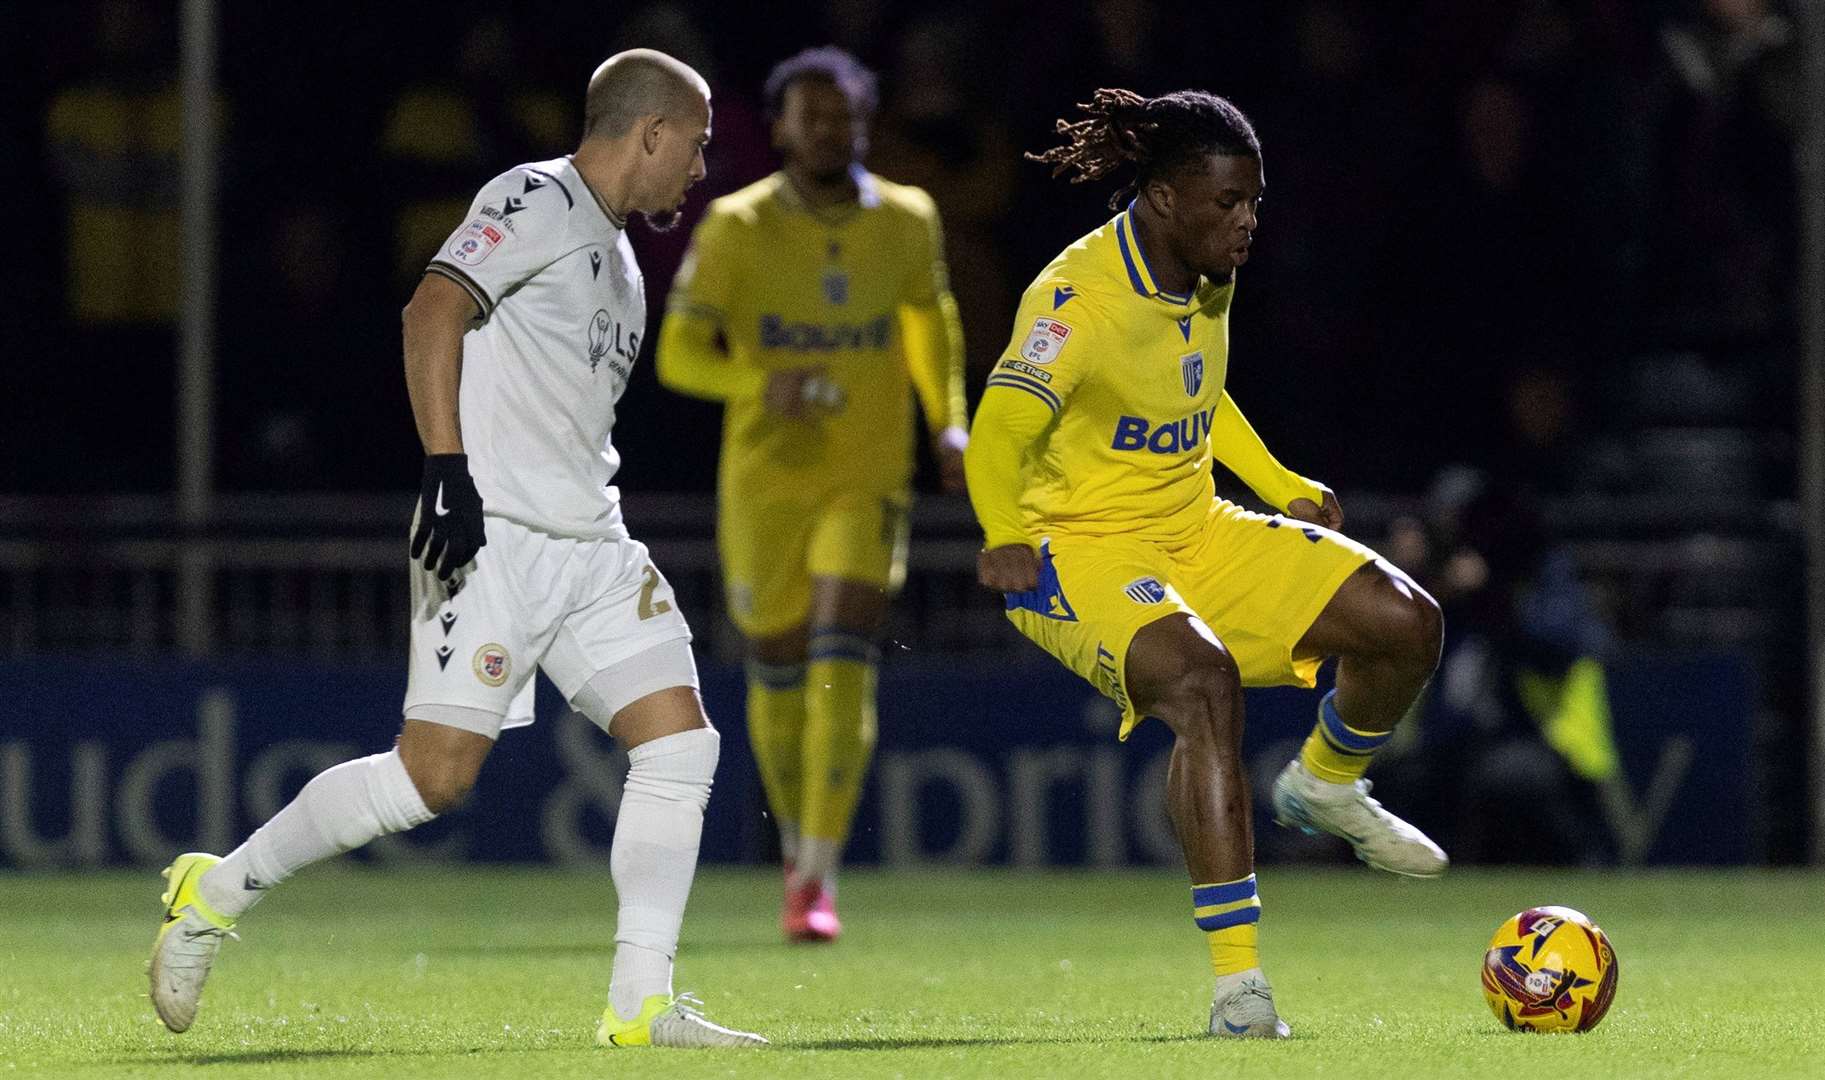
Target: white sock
(788,840)
(654,857)
(818,859)
(340,809)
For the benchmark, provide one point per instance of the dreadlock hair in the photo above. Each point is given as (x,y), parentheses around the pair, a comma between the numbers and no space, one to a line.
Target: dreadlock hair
(831,64)
(1156,135)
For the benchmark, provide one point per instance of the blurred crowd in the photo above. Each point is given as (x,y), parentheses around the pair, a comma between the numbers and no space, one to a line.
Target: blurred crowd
(1469,202)
(1482,218)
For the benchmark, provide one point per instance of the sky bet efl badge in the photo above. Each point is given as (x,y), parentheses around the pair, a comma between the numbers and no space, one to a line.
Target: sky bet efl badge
(1047,340)
(475,242)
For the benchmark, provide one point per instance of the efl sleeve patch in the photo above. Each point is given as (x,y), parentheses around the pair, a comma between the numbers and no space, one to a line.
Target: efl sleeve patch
(475,242)
(1047,340)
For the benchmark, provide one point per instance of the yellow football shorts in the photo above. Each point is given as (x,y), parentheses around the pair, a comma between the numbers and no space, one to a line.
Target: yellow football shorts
(772,547)
(1258,582)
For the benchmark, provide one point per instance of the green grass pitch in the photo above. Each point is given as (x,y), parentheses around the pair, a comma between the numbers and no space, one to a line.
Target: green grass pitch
(350,972)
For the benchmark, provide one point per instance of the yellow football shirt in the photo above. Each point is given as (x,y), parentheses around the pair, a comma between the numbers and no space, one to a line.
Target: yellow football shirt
(771,283)
(1106,411)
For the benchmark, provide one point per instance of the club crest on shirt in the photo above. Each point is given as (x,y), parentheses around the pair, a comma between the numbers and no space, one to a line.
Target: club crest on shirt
(1147,590)
(1191,369)
(1047,340)
(475,243)
(492,664)
(836,286)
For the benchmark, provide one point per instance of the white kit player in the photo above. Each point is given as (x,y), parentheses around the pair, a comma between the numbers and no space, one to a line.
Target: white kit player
(518,343)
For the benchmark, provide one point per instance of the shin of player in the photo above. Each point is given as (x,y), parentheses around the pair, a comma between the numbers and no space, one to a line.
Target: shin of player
(561,587)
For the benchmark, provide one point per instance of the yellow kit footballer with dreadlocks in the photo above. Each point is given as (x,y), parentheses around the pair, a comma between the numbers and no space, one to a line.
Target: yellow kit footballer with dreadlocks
(1089,466)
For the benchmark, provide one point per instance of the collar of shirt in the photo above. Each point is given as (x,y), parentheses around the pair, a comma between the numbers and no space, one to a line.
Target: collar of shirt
(1140,275)
(867,197)
(614,219)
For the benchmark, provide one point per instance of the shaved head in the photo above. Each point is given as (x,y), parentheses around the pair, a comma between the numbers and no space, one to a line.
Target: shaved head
(637,84)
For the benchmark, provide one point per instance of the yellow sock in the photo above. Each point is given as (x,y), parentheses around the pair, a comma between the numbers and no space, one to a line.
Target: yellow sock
(1233,950)
(839,732)
(1335,751)
(1228,913)
(776,731)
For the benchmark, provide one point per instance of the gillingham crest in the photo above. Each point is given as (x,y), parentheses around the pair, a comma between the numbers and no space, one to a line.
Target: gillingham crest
(1147,590)
(1191,369)
(836,286)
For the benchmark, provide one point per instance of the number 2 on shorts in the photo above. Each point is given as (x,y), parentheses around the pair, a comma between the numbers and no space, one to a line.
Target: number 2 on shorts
(648,608)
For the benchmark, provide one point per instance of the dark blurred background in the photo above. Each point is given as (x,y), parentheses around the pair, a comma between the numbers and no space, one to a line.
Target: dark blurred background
(1524,292)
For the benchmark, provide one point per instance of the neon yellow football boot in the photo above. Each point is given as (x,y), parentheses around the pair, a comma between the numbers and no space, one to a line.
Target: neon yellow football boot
(187,941)
(675,1021)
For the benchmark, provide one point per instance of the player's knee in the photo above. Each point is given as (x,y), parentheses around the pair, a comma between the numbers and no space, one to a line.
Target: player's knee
(443,783)
(780,650)
(1201,700)
(854,606)
(676,768)
(1420,634)
(445,791)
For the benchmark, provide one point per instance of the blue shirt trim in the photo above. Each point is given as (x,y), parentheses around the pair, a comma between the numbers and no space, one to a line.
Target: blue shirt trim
(1148,286)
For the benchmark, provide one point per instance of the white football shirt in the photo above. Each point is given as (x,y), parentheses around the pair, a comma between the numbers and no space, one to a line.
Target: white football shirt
(563,309)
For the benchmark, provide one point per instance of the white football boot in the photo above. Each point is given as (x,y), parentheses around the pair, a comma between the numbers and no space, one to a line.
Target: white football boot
(1382,840)
(188,938)
(1243,1008)
(676,1022)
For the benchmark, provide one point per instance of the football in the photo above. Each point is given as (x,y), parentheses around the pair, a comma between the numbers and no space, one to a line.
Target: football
(1549,969)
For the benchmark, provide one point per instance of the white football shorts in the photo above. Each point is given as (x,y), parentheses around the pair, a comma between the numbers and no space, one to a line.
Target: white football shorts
(532,600)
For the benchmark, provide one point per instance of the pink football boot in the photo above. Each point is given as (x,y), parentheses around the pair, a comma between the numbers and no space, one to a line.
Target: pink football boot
(809,914)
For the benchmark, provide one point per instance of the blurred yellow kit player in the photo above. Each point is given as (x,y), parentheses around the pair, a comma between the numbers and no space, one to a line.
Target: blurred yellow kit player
(813,303)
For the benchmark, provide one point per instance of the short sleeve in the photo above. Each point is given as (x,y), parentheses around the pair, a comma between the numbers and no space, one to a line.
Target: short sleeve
(516,227)
(1050,350)
(705,282)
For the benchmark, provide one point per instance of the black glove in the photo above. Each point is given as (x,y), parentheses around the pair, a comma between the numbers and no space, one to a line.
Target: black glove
(449,516)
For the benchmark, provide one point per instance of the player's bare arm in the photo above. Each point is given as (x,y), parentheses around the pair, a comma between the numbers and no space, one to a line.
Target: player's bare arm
(435,320)
(449,531)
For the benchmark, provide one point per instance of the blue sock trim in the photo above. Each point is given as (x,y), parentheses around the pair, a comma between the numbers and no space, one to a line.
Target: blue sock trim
(1339,734)
(843,645)
(777,676)
(1228,893)
(1239,917)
